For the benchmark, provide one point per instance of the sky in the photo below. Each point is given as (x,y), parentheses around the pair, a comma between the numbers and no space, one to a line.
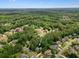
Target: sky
(39,3)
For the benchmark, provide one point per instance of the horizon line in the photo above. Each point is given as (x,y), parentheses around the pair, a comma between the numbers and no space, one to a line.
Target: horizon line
(39,8)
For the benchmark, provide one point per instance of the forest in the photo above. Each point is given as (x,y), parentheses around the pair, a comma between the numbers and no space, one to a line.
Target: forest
(39,33)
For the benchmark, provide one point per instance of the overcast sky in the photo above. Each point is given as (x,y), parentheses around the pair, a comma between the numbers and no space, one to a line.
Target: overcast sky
(39,3)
